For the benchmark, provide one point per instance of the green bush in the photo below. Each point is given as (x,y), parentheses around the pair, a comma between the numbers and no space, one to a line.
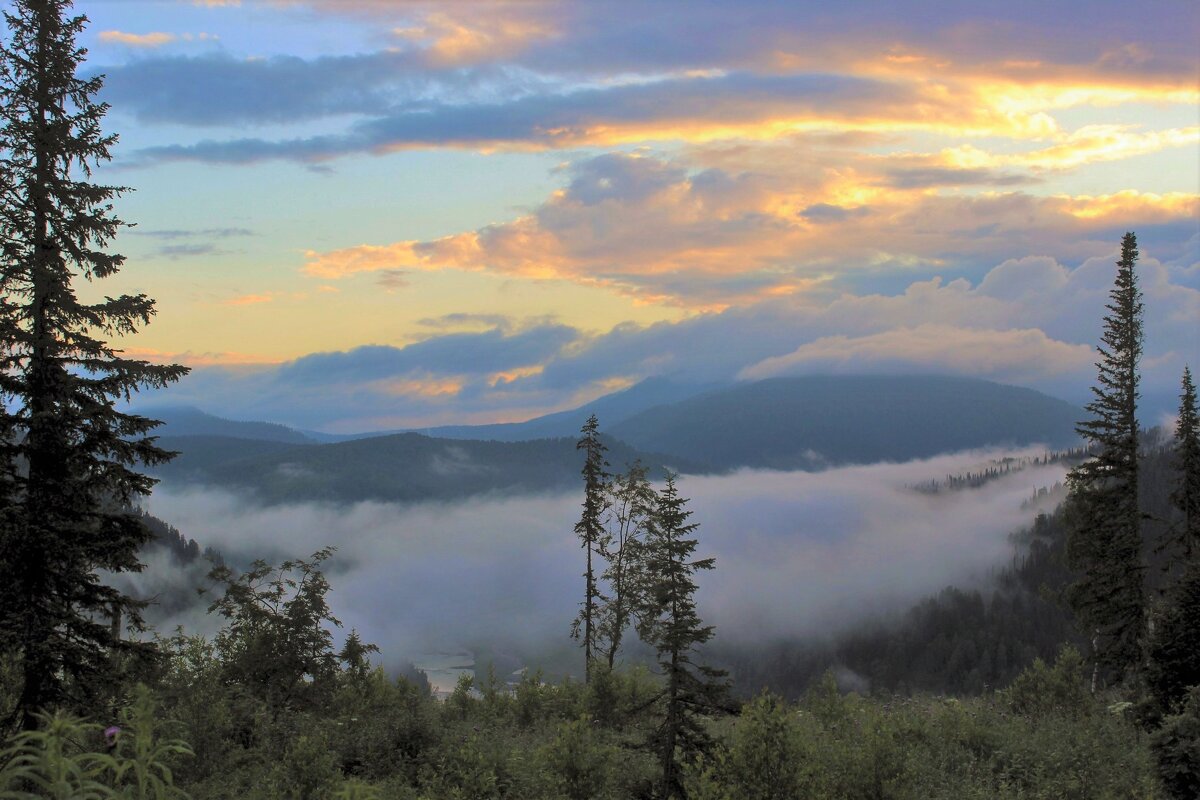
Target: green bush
(1176,746)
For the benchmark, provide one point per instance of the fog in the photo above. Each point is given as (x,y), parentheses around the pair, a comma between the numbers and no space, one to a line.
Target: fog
(798,553)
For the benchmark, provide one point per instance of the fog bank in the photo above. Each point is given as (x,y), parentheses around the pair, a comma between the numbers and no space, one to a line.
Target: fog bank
(798,553)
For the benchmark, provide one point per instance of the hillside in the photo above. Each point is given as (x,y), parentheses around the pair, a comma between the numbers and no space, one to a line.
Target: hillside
(187,421)
(783,423)
(610,409)
(809,422)
(406,467)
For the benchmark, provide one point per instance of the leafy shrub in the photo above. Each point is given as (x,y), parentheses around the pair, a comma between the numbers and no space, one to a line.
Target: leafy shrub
(1176,747)
(1041,690)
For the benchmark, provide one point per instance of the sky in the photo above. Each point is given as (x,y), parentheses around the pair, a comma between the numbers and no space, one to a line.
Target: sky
(372,214)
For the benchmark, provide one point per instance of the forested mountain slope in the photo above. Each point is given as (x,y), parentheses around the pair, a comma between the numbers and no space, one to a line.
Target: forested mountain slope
(610,409)
(187,421)
(406,467)
(966,640)
(809,422)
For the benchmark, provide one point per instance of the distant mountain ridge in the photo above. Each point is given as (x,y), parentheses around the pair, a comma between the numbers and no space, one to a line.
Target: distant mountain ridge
(610,409)
(189,421)
(781,423)
(404,467)
(814,421)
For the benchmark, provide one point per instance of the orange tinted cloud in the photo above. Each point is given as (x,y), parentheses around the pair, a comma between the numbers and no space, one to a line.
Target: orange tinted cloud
(451,39)
(420,386)
(249,300)
(651,229)
(156,39)
(1087,145)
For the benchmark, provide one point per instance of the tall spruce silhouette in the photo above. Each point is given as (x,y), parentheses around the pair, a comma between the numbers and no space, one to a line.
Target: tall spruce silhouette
(591,532)
(1174,648)
(1105,543)
(71,457)
(1186,494)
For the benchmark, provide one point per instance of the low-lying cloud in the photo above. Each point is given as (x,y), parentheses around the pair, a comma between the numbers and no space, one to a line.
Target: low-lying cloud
(798,554)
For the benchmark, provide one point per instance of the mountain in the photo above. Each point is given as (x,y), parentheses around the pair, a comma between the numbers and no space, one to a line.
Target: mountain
(610,409)
(807,422)
(406,467)
(199,456)
(780,423)
(188,421)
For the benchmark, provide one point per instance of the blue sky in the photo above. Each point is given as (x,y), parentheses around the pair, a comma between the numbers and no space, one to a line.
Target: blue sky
(480,212)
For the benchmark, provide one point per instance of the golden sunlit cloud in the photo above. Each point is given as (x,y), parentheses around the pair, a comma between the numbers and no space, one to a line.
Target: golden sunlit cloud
(648,229)
(249,300)
(451,40)
(1129,203)
(508,376)
(427,386)
(156,39)
(1089,144)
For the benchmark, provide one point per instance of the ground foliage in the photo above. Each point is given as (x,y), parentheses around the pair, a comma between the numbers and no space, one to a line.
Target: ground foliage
(1044,736)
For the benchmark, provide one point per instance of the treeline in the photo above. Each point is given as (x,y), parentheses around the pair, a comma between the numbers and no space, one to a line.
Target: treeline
(971,640)
(998,469)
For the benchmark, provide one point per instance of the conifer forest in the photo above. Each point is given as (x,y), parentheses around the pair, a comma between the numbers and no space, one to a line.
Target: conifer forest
(1069,670)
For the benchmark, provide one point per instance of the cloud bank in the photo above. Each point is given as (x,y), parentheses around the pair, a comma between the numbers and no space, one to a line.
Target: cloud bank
(1029,321)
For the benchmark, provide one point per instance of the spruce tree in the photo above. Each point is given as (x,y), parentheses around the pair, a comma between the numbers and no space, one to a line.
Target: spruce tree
(632,501)
(1105,543)
(71,457)
(670,624)
(591,532)
(1186,494)
(1175,644)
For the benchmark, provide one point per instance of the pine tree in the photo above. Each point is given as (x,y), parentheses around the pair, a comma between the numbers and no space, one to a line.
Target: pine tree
(1175,644)
(71,457)
(591,533)
(632,500)
(1186,495)
(355,654)
(1105,542)
(670,624)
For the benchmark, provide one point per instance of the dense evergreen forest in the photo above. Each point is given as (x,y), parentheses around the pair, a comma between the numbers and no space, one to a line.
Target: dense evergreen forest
(1074,674)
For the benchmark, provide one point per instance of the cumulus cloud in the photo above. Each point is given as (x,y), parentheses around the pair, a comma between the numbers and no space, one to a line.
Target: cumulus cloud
(1017,356)
(449,354)
(447,377)
(652,228)
(151,40)
(449,39)
(570,74)
(1032,321)
(701,107)
(217,89)
(797,553)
